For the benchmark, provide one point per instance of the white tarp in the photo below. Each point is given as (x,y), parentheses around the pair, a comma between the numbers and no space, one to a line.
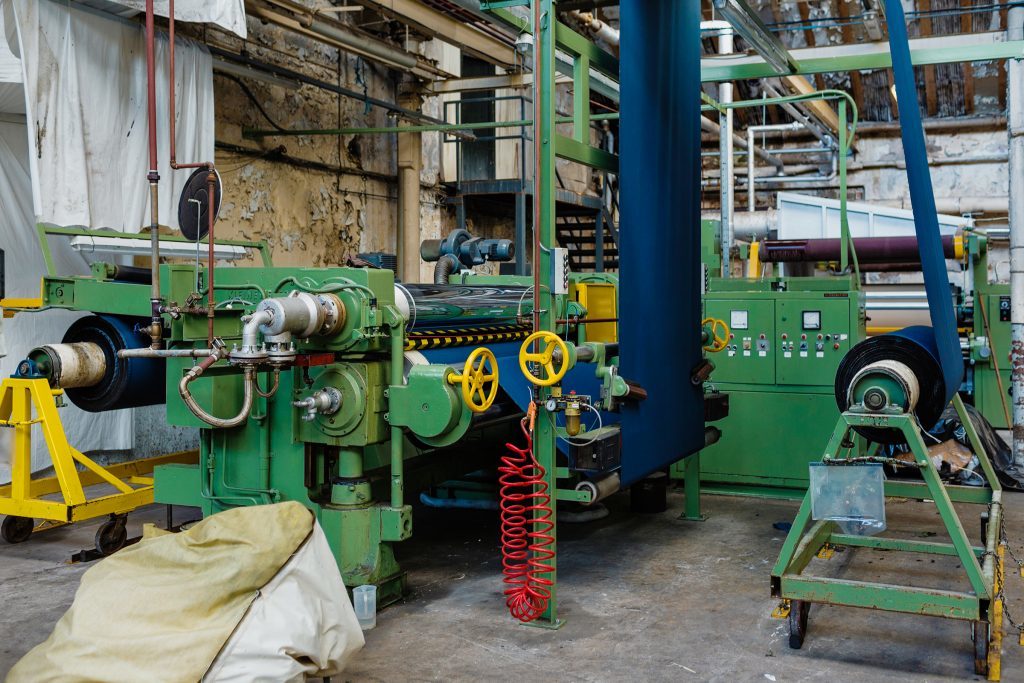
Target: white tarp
(80,158)
(228,14)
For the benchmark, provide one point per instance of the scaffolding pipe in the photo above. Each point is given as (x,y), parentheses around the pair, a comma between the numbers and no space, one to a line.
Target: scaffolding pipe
(1015,81)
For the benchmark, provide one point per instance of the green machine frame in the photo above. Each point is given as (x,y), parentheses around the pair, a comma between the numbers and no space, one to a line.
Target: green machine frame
(982,564)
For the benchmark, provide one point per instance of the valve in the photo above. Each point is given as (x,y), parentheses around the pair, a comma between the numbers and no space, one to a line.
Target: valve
(551,369)
(326,401)
(716,343)
(479,380)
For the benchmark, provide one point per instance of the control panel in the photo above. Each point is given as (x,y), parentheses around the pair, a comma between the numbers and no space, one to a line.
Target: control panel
(813,336)
(749,355)
(783,338)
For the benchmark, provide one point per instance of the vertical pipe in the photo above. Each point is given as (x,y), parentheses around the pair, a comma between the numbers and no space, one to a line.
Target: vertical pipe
(521,230)
(727,183)
(1015,120)
(397,437)
(153,177)
(751,204)
(844,223)
(410,154)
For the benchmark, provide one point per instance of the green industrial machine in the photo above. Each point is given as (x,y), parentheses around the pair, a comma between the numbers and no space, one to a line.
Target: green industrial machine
(339,388)
(986,313)
(786,338)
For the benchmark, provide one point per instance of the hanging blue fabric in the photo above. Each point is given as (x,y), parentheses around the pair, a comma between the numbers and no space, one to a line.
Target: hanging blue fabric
(926,222)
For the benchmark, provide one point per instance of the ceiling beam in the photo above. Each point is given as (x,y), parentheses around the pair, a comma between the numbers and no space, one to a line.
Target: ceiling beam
(975,47)
(435,23)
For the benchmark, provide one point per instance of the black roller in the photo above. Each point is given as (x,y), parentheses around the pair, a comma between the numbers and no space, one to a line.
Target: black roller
(126,383)
(914,347)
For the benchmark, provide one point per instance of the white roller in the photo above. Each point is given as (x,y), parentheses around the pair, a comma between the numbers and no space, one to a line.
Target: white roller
(897,371)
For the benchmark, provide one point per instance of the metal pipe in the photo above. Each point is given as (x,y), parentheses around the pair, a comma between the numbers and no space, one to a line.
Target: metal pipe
(251,328)
(164,353)
(153,177)
(1015,81)
(739,141)
(751,195)
(342,37)
(397,438)
(727,187)
(249,375)
(410,162)
(211,178)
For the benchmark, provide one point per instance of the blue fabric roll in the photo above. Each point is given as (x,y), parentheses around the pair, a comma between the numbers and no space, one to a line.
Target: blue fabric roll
(659,263)
(946,339)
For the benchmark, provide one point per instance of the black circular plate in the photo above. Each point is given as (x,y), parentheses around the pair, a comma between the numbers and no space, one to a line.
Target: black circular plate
(193,217)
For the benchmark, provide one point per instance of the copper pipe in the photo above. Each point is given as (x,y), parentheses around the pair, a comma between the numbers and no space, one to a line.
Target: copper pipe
(153,177)
(211,178)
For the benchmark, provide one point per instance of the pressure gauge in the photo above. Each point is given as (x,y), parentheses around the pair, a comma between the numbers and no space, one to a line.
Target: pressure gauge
(551,405)
(738,320)
(812,320)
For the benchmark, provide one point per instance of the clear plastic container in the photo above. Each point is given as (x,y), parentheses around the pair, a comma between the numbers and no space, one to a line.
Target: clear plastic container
(364,600)
(852,496)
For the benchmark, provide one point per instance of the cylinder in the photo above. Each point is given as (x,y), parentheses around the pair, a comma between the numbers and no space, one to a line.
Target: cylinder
(303,314)
(458,306)
(126,382)
(915,350)
(869,249)
(69,366)
(599,489)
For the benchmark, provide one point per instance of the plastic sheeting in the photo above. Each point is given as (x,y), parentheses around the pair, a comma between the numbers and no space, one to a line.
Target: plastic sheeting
(660,271)
(926,224)
(249,594)
(228,14)
(85,86)
(79,157)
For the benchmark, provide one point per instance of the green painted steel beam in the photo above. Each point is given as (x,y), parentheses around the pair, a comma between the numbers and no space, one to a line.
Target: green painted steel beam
(905,545)
(919,491)
(923,51)
(578,46)
(870,595)
(568,148)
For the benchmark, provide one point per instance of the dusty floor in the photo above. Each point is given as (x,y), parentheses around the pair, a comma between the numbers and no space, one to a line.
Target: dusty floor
(645,598)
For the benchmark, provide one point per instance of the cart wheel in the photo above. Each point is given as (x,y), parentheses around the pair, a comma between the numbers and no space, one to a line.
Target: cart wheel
(980,633)
(17,529)
(111,536)
(798,610)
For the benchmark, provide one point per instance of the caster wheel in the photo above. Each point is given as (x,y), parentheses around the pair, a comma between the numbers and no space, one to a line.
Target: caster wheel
(111,536)
(798,610)
(17,529)
(980,633)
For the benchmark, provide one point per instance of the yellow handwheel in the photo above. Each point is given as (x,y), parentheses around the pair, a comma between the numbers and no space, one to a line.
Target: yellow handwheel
(479,380)
(545,358)
(718,341)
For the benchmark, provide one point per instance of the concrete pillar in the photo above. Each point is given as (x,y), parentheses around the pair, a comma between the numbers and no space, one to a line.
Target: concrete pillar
(410,163)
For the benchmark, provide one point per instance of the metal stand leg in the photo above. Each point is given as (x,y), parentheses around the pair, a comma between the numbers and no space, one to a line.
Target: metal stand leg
(691,489)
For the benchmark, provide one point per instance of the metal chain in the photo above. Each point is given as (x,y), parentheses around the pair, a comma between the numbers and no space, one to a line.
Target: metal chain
(1000,578)
(896,462)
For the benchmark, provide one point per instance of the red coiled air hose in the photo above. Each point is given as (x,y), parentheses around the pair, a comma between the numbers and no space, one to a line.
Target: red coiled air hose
(525,526)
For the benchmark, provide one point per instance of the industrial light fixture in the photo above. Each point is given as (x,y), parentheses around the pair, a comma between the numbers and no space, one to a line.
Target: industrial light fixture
(749,25)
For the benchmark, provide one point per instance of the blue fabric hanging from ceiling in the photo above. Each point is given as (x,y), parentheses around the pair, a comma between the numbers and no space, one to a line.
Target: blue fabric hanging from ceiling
(933,262)
(659,266)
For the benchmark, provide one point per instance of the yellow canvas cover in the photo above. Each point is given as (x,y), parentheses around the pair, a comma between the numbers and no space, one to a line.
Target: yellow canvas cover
(162,609)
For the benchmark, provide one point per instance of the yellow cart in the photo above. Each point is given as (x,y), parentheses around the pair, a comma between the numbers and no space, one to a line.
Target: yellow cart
(28,402)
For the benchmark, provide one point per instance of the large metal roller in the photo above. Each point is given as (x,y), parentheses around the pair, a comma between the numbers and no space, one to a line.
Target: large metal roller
(460,306)
(96,380)
(900,369)
(869,250)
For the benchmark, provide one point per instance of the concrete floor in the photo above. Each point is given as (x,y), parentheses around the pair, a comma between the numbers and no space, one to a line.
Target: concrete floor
(648,598)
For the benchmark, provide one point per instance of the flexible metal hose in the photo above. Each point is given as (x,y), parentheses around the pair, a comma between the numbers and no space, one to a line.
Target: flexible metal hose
(217,422)
(445,266)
